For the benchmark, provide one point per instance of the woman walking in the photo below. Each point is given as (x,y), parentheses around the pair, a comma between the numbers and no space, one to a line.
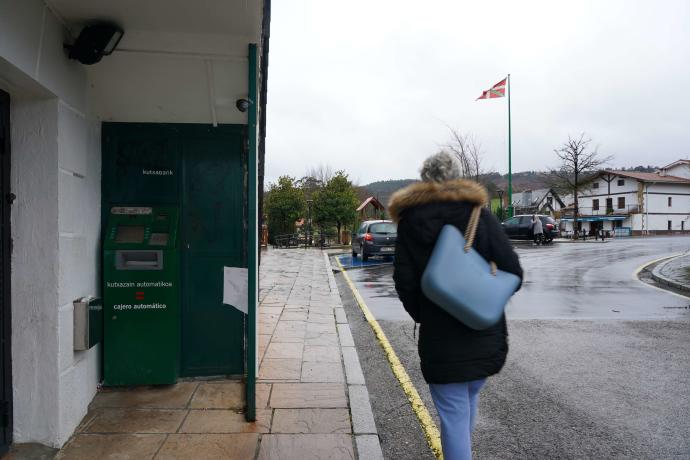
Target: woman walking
(537,230)
(455,359)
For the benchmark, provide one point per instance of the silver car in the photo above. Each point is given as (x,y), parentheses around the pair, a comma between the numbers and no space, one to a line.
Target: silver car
(374,238)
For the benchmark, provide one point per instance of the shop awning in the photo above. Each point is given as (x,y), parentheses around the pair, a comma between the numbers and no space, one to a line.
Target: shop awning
(594,218)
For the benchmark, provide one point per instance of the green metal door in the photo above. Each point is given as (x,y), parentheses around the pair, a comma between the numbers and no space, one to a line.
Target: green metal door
(201,169)
(213,216)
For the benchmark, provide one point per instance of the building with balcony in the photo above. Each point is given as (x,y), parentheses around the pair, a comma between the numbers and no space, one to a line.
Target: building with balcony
(636,203)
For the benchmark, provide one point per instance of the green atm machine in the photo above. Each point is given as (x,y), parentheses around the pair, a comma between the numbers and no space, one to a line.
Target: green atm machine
(141,296)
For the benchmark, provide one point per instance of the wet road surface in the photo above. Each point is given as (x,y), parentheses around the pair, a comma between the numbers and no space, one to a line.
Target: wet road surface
(564,281)
(581,380)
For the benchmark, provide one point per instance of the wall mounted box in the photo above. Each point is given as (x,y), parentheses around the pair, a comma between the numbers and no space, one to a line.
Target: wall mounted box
(88,322)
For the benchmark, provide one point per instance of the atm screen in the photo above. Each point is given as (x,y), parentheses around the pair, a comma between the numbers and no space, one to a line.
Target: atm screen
(130,234)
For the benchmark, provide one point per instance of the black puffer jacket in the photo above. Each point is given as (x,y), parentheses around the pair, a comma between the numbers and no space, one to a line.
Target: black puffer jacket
(449,351)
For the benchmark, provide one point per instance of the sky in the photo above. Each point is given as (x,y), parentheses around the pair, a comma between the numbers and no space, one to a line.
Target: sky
(372,87)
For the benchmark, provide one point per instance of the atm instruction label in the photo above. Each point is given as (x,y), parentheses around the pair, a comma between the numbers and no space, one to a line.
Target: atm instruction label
(142,306)
(139,284)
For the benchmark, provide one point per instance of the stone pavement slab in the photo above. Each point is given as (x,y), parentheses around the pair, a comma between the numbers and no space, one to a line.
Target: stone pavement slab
(306,447)
(308,395)
(321,354)
(225,421)
(136,421)
(209,447)
(326,421)
(147,397)
(219,395)
(114,446)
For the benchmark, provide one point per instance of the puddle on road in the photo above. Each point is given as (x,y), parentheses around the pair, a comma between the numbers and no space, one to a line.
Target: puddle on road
(347,261)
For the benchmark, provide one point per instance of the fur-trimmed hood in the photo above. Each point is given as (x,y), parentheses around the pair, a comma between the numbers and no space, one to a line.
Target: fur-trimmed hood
(421,193)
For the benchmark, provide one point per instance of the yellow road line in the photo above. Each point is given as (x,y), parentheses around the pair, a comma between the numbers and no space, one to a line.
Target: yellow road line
(433,437)
(636,274)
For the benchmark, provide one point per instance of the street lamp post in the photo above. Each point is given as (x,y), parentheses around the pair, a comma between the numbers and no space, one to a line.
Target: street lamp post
(500,199)
(309,203)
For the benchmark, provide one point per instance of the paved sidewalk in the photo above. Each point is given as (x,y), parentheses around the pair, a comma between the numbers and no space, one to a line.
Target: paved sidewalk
(310,376)
(312,402)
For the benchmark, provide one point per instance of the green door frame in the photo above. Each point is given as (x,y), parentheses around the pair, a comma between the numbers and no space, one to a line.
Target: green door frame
(252,246)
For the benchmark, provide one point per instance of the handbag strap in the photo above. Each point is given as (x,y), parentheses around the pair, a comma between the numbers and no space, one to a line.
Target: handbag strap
(471,233)
(471,230)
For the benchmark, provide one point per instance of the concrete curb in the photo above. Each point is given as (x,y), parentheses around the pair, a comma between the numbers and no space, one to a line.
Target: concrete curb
(364,430)
(659,278)
(590,240)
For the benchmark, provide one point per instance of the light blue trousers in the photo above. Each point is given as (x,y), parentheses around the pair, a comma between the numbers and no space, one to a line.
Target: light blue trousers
(456,404)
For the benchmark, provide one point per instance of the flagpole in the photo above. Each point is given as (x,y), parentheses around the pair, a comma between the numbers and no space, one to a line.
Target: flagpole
(510,164)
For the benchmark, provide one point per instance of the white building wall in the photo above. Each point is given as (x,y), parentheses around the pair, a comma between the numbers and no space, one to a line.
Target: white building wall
(35,257)
(55,222)
(658,213)
(679,170)
(79,181)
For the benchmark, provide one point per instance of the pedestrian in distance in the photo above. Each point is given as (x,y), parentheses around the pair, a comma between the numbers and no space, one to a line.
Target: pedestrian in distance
(455,359)
(537,229)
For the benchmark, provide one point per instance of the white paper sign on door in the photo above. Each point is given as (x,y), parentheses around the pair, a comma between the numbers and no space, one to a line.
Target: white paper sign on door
(236,288)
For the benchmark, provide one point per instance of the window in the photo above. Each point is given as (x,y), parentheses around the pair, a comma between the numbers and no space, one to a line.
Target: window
(513,221)
(669,201)
(383,228)
(617,223)
(595,185)
(621,182)
(621,202)
(595,205)
(549,200)
(669,225)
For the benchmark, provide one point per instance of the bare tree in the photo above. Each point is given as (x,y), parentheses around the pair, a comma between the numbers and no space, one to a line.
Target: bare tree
(578,162)
(322,173)
(315,179)
(468,151)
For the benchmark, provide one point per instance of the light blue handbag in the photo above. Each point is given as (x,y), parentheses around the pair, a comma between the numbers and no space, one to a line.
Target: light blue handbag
(460,281)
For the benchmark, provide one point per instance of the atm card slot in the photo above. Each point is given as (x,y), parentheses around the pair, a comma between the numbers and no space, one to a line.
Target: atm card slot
(138,260)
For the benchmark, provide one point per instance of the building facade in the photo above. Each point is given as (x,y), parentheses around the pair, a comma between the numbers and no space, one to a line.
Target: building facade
(540,201)
(635,203)
(177,63)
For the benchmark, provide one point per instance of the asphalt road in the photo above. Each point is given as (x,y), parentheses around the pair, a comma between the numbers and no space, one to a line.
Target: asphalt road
(598,364)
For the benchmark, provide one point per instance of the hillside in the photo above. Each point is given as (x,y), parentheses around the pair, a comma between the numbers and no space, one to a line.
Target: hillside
(383,189)
(525,180)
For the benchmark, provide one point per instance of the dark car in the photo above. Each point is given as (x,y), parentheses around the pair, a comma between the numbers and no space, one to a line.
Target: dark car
(520,227)
(374,238)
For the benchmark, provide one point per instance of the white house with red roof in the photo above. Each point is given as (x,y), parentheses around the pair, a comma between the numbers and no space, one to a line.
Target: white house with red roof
(637,203)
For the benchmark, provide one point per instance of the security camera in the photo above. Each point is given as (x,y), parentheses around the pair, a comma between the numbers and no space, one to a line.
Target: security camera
(94,42)
(242,104)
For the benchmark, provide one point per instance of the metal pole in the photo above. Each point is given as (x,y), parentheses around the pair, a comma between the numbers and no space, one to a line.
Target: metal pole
(309,228)
(510,160)
(253,246)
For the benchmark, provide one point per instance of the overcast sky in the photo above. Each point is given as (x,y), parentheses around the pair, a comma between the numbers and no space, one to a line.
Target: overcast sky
(371,86)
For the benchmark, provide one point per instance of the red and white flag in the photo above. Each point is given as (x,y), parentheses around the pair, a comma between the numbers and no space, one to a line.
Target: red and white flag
(498,90)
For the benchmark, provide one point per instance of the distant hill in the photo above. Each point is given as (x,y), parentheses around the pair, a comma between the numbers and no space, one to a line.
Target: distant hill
(525,180)
(383,189)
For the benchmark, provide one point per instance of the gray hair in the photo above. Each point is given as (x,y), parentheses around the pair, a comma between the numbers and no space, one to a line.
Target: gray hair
(439,168)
